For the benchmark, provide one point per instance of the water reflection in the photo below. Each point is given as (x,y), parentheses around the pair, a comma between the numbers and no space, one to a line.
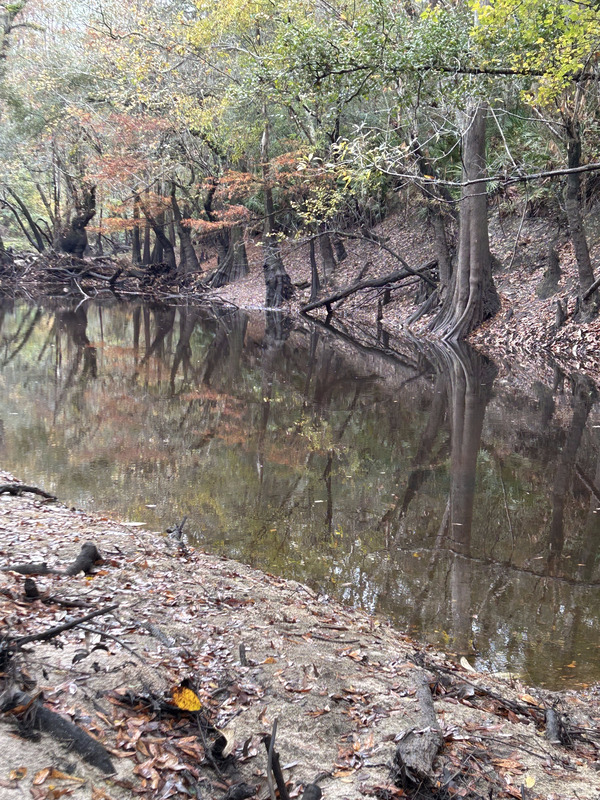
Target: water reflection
(402,477)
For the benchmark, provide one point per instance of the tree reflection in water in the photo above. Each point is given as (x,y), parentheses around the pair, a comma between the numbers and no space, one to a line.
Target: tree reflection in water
(400,476)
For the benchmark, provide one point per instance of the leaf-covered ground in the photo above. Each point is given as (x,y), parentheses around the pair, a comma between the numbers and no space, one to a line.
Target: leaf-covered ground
(182,682)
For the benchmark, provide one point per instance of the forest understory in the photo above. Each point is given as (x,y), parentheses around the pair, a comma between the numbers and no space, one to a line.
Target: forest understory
(144,668)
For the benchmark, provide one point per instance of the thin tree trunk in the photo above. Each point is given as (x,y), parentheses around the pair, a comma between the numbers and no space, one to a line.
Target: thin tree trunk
(573,208)
(35,228)
(136,251)
(315,284)
(278,284)
(327,257)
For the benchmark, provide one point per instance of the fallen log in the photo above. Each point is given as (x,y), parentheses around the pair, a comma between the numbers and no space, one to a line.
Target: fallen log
(374,283)
(32,715)
(418,749)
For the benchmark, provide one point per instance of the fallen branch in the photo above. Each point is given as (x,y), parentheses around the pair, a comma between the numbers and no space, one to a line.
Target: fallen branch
(50,633)
(31,714)
(591,289)
(373,283)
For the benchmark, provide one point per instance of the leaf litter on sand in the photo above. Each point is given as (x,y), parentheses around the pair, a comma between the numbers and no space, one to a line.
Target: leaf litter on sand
(181,712)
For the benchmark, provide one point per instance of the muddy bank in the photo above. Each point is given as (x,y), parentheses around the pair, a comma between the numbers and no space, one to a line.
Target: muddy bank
(181,683)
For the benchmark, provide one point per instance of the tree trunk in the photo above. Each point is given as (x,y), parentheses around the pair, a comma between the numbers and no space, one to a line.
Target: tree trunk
(472,296)
(573,208)
(136,250)
(277,281)
(189,259)
(315,284)
(35,228)
(74,240)
(233,261)
(163,249)
(327,257)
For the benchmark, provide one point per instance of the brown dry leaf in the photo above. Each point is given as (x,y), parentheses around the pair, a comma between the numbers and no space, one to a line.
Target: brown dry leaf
(57,775)
(18,774)
(527,698)
(41,776)
(510,764)
(100,794)
(343,773)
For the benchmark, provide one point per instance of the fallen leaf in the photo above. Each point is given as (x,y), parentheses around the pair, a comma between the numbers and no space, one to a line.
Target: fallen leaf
(186,699)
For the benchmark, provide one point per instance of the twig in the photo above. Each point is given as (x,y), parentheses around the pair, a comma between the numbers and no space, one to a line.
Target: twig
(114,638)
(274,767)
(50,633)
(270,743)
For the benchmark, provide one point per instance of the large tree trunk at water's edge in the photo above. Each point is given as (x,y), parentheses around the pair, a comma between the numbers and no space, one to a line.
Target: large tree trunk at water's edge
(472,296)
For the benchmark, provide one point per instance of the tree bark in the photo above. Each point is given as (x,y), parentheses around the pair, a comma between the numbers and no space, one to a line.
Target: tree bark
(136,249)
(573,208)
(189,261)
(472,296)
(164,249)
(327,257)
(233,260)
(277,282)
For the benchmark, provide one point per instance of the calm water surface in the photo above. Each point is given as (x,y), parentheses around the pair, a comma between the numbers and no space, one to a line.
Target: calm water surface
(413,482)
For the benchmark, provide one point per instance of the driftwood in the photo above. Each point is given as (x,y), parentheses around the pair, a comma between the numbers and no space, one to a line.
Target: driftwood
(32,715)
(417,750)
(374,283)
(17,489)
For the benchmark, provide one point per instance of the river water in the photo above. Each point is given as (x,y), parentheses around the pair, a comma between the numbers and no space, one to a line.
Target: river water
(414,481)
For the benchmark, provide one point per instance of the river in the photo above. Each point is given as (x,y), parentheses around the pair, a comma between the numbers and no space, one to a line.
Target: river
(414,481)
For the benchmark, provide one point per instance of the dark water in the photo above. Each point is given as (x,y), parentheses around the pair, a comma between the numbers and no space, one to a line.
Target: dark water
(415,483)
